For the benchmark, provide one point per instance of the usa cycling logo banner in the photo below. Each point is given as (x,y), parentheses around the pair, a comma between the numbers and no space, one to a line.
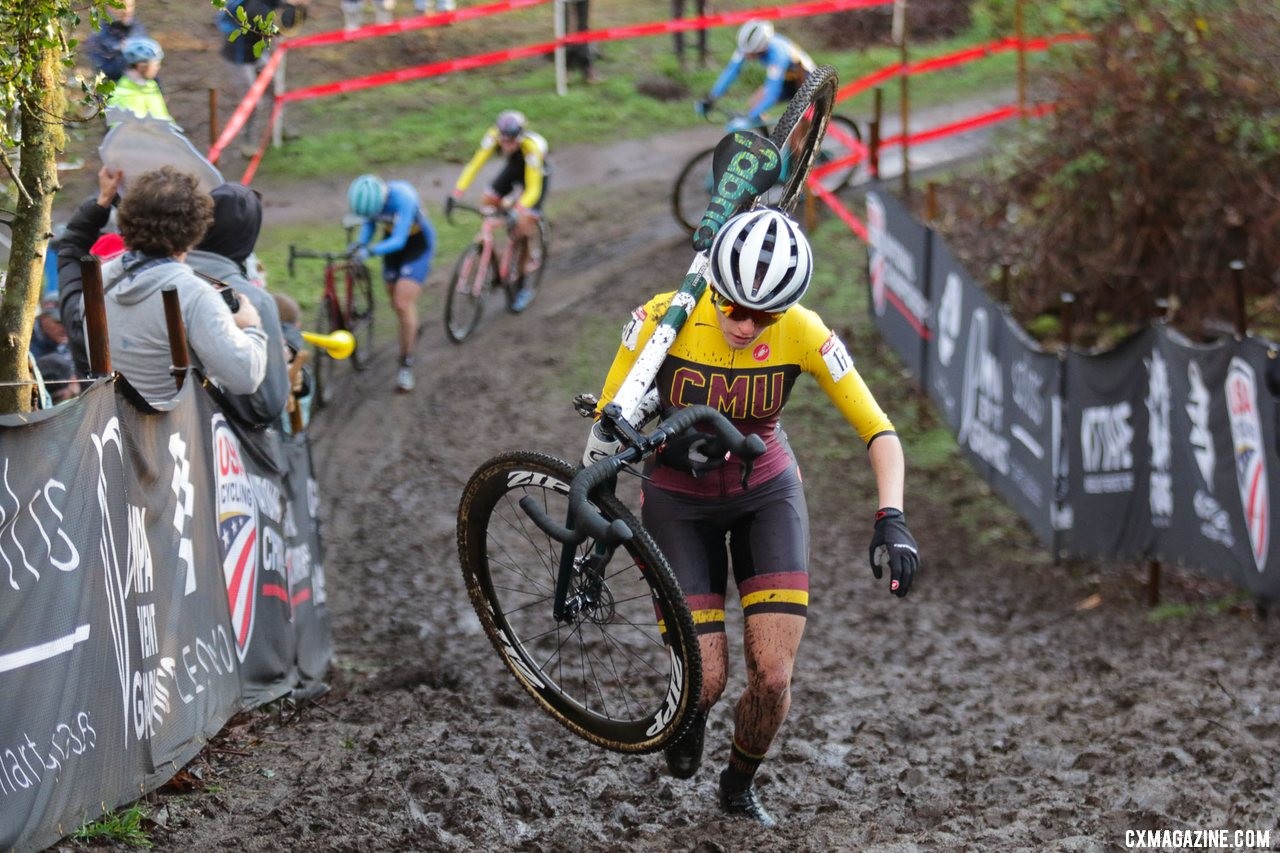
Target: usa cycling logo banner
(237,531)
(1250,455)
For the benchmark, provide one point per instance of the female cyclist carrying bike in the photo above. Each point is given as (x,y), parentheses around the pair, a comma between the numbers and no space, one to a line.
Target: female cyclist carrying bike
(526,167)
(740,352)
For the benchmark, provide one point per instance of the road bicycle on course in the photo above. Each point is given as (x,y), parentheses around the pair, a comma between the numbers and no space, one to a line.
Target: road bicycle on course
(841,140)
(487,265)
(587,613)
(345,304)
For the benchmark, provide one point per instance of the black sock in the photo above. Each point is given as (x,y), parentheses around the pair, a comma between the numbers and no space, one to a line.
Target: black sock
(742,768)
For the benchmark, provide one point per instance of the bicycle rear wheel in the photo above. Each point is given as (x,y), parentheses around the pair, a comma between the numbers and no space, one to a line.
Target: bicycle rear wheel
(533,280)
(360,317)
(464,304)
(692,191)
(623,670)
(840,141)
(321,361)
(798,135)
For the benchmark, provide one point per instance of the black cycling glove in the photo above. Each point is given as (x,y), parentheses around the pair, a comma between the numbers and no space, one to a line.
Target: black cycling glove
(892,545)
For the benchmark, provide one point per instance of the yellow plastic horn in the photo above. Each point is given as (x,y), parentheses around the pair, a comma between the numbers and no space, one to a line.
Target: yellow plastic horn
(339,344)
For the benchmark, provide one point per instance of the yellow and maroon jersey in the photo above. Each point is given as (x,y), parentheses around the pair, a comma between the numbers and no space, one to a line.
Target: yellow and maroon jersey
(750,386)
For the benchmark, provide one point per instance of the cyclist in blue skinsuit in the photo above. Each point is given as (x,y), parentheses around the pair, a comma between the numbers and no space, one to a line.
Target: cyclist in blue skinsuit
(406,249)
(786,67)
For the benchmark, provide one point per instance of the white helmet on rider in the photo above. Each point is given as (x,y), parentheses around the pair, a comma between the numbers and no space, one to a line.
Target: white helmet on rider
(754,36)
(761,260)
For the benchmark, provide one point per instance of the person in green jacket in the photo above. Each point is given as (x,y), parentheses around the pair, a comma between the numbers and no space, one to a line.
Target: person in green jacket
(137,92)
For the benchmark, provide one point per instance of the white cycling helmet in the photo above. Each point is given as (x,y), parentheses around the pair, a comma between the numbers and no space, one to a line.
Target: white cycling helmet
(754,36)
(761,260)
(367,195)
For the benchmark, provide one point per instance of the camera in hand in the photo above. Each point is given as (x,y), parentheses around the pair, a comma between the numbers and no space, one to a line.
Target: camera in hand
(230,297)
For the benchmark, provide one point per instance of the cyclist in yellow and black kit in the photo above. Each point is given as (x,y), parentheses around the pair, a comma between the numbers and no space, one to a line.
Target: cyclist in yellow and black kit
(526,167)
(741,350)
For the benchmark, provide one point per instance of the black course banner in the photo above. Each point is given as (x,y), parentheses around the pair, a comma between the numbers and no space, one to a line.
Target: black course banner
(996,389)
(116,661)
(1222,461)
(1109,472)
(898,252)
(158,572)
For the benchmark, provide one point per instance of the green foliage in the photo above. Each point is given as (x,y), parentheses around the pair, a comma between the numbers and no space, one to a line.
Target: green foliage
(1166,131)
(123,827)
(29,28)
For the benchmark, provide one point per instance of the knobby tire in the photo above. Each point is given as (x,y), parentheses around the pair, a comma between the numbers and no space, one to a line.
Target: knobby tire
(833,148)
(612,674)
(463,309)
(322,363)
(360,318)
(818,92)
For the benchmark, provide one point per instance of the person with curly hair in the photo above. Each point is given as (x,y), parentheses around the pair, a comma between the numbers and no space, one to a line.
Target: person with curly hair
(162,216)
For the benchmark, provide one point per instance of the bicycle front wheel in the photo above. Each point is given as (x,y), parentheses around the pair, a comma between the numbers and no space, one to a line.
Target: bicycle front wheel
(798,135)
(622,669)
(321,361)
(692,191)
(360,315)
(467,290)
(841,140)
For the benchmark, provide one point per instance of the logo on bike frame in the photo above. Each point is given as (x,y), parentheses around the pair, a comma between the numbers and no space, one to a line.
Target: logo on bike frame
(744,165)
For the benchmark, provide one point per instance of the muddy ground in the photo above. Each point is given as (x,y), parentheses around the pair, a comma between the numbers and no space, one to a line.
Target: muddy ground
(1008,704)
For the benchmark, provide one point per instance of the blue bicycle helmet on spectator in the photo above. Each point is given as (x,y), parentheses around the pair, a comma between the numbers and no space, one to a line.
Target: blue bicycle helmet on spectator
(141,49)
(367,196)
(510,123)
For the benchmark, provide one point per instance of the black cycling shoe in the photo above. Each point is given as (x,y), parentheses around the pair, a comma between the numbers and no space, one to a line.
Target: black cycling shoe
(745,803)
(684,754)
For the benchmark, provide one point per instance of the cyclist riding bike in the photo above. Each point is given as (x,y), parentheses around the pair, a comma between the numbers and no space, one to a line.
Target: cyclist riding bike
(745,343)
(406,249)
(786,68)
(527,167)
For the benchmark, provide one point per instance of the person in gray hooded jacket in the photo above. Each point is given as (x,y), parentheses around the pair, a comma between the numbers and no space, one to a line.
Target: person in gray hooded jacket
(163,214)
(237,220)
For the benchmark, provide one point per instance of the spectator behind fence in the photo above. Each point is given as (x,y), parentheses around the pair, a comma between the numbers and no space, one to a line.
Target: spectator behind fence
(243,58)
(163,215)
(48,334)
(82,234)
(60,380)
(103,46)
(699,11)
(221,255)
(137,92)
(581,56)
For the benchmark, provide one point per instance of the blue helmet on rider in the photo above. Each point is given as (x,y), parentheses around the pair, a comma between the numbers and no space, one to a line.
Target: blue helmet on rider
(141,49)
(367,196)
(760,259)
(754,36)
(510,123)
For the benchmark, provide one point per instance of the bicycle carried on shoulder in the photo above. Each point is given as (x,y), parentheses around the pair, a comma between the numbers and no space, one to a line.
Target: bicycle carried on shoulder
(587,614)
(840,140)
(346,304)
(487,265)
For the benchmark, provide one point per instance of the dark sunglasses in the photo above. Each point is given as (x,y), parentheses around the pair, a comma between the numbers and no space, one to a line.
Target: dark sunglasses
(734,311)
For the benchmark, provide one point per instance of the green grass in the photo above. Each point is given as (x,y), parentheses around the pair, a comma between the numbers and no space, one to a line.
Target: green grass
(123,827)
(442,118)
